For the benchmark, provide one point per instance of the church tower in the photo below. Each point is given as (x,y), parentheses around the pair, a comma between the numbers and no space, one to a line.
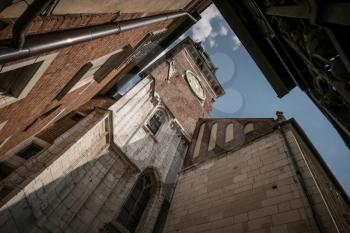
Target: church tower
(185,80)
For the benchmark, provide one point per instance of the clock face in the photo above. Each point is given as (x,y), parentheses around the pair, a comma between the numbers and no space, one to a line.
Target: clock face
(195,85)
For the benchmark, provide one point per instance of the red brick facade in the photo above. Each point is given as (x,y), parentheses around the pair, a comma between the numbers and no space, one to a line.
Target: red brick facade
(176,92)
(27,117)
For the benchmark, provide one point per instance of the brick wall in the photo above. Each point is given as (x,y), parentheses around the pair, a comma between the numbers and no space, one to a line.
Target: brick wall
(254,189)
(176,93)
(79,183)
(23,113)
(240,138)
(320,183)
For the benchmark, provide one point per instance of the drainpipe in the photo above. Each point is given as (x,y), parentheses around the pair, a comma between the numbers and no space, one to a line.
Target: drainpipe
(23,22)
(38,44)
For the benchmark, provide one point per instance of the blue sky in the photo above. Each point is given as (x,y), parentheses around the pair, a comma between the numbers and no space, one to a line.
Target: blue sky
(248,94)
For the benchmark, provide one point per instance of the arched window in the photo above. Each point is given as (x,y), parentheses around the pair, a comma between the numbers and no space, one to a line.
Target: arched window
(212,139)
(199,141)
(136,204)
(249,127)
(156,122)
(229,134)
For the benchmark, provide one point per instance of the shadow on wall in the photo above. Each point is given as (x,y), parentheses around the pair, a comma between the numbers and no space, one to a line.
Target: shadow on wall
(91,195)
(77,202)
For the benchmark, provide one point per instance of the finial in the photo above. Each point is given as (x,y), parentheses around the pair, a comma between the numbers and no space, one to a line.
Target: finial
(280,116)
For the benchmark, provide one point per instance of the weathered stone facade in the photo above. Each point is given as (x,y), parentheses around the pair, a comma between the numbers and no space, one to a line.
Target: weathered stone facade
(43,102)
(74,159)
(264,178)
(91,160)
(79,182)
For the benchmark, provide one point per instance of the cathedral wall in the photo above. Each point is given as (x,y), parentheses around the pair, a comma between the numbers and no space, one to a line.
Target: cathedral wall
(130,116)
(253,189)
(64,187)
(336,199)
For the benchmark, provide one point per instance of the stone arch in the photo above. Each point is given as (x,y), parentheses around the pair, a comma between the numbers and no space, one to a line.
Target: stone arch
(213,136)
(248,127)
(139,202)
(158,118)
(229,132)
(199,141)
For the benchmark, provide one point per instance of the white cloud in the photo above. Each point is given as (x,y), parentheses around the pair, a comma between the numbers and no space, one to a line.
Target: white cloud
(236,42)
(212,43)
(203,29)
(223,30)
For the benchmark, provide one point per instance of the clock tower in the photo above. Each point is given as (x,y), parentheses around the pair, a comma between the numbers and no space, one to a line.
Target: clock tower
(185,81)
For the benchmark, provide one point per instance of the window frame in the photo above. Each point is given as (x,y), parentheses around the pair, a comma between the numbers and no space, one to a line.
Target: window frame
(46,62)
(12,154)
(151,188)
(155,135)
(229,132)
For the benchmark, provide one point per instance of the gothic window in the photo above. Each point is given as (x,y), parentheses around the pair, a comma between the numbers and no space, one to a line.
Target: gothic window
(229,134)
(249,127)
(156,122)
(17,80)
(199,141)
(162,216)
(212,139)
(29,151)
(135,204)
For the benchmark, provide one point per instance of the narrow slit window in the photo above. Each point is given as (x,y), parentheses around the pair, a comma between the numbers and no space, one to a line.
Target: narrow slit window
(229,133)
(29,151)
(13,82)
(212,139)
(77,117)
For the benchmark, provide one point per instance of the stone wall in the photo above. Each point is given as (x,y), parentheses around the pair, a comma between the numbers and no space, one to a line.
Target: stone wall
(64,188)
(130,116)
(253,189)
(337,201)
(80,182)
